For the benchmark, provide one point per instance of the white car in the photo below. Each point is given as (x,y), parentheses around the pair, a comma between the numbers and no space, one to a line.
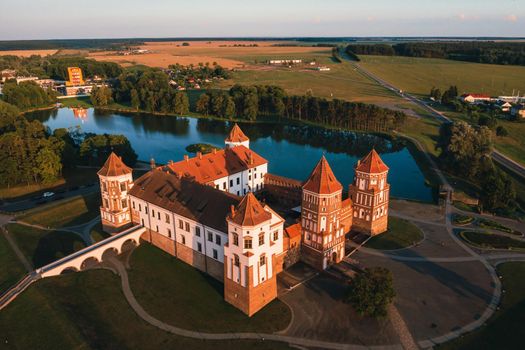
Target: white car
(48,194)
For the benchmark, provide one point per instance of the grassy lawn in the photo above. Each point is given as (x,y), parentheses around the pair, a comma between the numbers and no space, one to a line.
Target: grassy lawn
(401,233)
(77,102)
(485,223)
(97,234)
(69,212)
(459,219)
(419,75)
(70,178)
(11,268)
(88,311)
(42,247)
(486,240)
(504,329)
(181,295)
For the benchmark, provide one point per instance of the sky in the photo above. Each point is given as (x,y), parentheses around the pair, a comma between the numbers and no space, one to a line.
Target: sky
(61,19)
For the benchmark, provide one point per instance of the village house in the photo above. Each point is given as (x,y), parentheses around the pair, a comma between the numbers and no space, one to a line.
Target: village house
(204,211)
(518,111)
(475,98)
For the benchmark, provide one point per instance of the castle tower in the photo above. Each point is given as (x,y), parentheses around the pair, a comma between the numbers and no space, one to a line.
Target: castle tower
(252,255)
(370,195)
(116,180)
(237,138)
(323,236)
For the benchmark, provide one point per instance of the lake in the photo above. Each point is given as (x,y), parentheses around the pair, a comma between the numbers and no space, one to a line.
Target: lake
(292,150)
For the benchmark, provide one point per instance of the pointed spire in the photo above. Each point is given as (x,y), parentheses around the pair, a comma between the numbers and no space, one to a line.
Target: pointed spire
(236,135)
(114,166)
(322,179)
(249,212)
(372,163)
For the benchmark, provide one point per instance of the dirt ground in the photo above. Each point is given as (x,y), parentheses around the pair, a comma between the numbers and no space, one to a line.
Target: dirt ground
(162,54)
(27,53)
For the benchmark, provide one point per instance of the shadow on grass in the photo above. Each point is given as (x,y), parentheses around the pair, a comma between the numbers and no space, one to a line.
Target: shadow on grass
(54,246)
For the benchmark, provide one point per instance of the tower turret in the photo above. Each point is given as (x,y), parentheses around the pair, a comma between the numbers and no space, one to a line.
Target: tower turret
(370,195)
(116,180)
(322,231)
(252,255)
(237,138)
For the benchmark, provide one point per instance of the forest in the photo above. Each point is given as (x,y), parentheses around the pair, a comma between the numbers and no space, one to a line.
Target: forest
(490,52)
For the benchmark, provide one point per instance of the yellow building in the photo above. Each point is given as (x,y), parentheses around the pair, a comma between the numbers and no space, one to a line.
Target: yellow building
(75,76)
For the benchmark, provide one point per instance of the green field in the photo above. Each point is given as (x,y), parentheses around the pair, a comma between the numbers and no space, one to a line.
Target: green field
(69,212)
(167,289)
(504,329)
(401,234)
(485,240)
(419,75)
(42,247)
(88,311)
(11,268)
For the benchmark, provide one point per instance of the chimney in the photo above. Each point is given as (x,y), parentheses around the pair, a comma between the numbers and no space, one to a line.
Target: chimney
(152,163)
(199,155)
(232,209)
(186,158)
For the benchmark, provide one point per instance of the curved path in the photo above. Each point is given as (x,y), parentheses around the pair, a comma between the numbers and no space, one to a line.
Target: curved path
(119,267)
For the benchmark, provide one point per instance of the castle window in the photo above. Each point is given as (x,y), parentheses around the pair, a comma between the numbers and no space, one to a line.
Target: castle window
(224,185)
(215,254)
(181,224)
(261,239)
(169,233)
(210,237)
(146,210)
(183,239)
(198,232)
(255,175)
(275,235)
(106,203)
(104,186)
(231,183)
(249,178)
(217,239)
(238,180)
(140,207)
(187,227)
(199,247)
(167,218)
(133,204)
(217,186)
(262,260)
(153,212)
(122,186)
(247,243)
(157,228)
(124,203)
(235,239)
(158,215)
(236,260)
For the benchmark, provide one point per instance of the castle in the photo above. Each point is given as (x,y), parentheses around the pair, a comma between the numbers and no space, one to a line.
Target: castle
(204,211)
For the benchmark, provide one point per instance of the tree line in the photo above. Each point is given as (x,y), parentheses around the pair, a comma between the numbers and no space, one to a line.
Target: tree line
(150,90)
(251,102)
(506,53)
(465,152)
(27,95)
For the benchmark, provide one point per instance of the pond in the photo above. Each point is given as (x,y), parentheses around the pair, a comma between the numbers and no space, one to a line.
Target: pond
(292,149)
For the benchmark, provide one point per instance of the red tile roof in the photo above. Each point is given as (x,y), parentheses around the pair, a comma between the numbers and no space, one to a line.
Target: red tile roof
(236,135)
(114,166)
(215,165)
(476,95)
(322,179)
(371,164)
(185,197)
(249,212)
(293,230)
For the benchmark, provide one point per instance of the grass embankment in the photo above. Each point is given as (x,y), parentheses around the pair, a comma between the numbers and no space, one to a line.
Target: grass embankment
(401,234)
(485,223)
(88,311)
(504,329)
(69,212)
(97,234)
(42,247)
(181,295)
(11,268)
(485,240)
(70,178)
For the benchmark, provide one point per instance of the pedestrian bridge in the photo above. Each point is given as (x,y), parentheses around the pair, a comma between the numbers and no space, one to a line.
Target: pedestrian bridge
(86,257)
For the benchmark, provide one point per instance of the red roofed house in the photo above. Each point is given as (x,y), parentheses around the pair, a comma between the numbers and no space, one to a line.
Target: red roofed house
(370,195)
(474,98)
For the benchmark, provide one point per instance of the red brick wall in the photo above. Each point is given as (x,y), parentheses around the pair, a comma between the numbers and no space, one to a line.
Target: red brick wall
(191,257)
(160,241)
(215,268)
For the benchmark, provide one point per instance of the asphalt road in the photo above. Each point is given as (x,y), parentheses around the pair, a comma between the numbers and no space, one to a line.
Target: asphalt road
(498,157)
(30,203)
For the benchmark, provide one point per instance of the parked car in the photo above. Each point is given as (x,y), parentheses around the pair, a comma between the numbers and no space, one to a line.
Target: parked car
(48,194)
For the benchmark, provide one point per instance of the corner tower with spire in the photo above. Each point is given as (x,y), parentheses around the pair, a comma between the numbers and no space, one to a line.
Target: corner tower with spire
(323,235)
(116,180)
(253,255)
(370,195)
(237,138)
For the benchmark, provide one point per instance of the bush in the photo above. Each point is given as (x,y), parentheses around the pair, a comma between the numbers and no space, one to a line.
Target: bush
(372,291)
(501,131)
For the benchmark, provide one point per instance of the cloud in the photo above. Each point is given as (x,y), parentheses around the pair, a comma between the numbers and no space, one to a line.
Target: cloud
(511,18)
(462,17)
